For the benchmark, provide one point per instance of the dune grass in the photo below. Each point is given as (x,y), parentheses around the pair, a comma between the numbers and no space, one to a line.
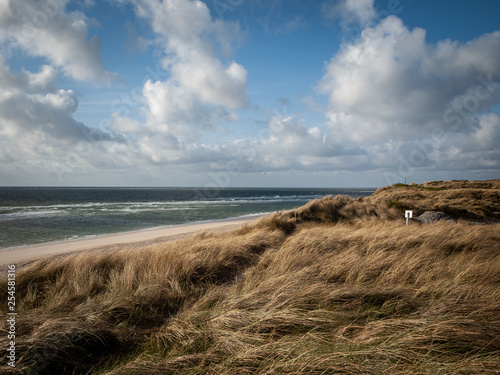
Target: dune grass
(338,286)
(471,200)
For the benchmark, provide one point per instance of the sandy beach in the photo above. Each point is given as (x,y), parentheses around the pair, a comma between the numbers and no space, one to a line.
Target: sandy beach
(21,255)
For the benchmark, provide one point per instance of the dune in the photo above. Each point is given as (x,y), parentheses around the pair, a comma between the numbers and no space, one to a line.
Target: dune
(338,286)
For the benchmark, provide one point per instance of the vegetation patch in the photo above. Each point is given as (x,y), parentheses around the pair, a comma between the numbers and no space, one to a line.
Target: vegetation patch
(339,285)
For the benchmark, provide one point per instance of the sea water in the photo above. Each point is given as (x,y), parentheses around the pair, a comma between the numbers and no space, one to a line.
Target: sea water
(33,215)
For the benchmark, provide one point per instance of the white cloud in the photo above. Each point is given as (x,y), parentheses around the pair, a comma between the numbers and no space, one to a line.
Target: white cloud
(200,89)
(391,97)
(29,102)
(207,79)
(390,87)
(487,136)
(360,12)
(187,34)
(287,143)
(44,29)
(34,82)
(38,131)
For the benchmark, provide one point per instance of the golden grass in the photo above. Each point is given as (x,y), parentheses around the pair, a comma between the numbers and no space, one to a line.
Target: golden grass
(337,286)
(460,199)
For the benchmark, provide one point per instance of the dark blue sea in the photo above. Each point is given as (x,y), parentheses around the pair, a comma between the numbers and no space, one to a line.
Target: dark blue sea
(33,215)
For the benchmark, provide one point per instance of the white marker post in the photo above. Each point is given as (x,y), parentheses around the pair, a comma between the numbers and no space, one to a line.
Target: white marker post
(408,215)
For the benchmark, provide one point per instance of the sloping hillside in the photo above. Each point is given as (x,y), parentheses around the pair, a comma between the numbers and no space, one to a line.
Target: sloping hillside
(472,200)
(339,286)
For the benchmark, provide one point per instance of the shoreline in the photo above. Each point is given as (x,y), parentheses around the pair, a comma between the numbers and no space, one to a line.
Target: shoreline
(316,289)
(143,237)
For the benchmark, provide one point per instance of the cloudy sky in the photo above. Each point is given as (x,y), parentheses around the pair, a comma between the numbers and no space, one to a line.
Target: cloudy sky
(299,93)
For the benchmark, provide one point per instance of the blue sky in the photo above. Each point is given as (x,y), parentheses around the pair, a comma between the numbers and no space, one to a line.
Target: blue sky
(218,93)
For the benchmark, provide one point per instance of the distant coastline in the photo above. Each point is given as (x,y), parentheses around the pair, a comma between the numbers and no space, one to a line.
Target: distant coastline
(31,215)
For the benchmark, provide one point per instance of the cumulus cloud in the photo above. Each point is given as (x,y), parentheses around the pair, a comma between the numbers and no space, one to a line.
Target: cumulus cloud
(38,130)
(286,143)
(199,90)
(48,113)
(392,99)
(34,82)
(45,29)
(38,127)
(390,87)
(29,102)
(187,34)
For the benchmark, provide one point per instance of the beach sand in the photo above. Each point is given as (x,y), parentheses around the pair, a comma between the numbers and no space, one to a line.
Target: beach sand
(21,255)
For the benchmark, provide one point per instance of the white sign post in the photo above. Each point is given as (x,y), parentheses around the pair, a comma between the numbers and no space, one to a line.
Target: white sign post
(408,215)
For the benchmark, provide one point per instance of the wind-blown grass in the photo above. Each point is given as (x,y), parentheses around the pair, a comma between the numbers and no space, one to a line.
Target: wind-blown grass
(338,286)
(476,200)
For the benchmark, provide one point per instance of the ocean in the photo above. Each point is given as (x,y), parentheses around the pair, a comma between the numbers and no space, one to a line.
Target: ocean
(34,215)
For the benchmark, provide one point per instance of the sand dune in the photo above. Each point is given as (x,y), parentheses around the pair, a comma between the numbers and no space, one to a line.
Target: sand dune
(339,285)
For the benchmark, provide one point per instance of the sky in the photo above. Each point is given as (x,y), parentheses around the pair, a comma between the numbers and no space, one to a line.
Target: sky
(248,93)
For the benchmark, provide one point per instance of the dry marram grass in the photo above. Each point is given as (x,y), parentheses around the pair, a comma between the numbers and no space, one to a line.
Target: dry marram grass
(336,286)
